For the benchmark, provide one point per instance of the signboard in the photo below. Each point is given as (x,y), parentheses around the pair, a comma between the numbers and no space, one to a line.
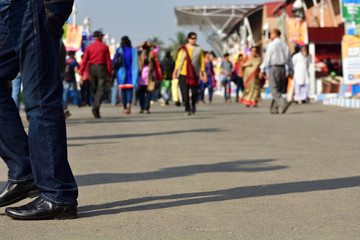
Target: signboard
(350,10)
(73,37)
(297,31)
(351,59)
(86,41)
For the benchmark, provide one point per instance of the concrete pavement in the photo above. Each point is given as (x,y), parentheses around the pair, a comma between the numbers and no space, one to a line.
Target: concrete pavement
(227,172)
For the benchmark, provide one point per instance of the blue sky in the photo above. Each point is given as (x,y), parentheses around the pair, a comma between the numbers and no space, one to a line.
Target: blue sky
(142,19)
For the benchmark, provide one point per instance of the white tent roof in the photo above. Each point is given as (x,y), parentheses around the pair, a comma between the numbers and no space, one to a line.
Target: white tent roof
(213,21)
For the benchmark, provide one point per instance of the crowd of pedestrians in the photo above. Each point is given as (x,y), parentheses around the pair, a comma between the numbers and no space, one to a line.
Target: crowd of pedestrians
(136,76)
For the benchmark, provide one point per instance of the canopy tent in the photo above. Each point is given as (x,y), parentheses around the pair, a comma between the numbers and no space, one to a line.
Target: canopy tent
(213,21)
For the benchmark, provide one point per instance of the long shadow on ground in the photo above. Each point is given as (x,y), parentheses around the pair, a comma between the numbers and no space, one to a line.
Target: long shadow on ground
(176,200)
(116,136)
(175,172)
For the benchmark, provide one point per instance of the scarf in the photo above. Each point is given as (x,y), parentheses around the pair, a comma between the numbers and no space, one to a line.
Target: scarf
(191,76)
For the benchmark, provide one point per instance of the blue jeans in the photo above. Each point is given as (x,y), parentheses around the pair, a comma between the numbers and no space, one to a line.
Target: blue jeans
(227,89)
(239,86)
(126,96)
(16,87)
(73,86)
(114,93)
(30,40)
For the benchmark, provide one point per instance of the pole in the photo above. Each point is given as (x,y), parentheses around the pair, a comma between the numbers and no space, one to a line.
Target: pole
(313,89)
(74,12)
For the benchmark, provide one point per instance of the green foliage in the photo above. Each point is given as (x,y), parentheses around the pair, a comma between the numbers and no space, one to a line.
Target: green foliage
(180,39)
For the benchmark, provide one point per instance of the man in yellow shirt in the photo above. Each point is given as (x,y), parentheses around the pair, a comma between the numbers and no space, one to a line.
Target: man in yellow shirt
(189,67)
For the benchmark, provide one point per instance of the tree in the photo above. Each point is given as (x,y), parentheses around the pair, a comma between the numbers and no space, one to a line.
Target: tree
(159,42)
(181,39)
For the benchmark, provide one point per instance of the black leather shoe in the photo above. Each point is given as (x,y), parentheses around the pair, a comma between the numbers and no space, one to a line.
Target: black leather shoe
(41,209)
(15,192)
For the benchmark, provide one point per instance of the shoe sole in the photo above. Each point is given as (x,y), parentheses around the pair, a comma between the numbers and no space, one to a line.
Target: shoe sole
(31,194)
(72,214)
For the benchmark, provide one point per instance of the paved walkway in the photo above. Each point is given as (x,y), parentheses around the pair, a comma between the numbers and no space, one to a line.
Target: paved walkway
(227,172)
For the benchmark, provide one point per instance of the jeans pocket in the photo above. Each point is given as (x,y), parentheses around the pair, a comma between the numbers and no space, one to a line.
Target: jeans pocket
(57,12)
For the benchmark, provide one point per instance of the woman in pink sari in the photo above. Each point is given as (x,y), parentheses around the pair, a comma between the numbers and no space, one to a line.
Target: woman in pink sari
(252,82)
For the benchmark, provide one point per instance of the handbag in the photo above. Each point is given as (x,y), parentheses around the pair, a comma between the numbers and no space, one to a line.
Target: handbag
(116,65)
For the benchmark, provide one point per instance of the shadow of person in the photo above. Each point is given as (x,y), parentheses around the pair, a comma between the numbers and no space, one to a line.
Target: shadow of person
(176,200)
(174,172)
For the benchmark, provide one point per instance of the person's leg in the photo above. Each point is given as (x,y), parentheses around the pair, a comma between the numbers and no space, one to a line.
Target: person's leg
(237,81)
(124,97)
(16,86)
(141,96)
(276,86)
(14,149)
(194,97)
(76,93)
(148,97)
(87,92)
(114,93)
(101,75)
(129,97)
(184,92)
(37,31)
(210,90)
(228,88)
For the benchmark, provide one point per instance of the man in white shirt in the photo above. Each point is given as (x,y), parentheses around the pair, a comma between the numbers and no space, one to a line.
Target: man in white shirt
(276,57)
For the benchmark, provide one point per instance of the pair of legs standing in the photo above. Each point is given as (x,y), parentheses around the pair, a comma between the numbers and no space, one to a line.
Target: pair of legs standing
(239,86)
(277,81)
(144,99)
(227,89)
(126,97)
(185,89)
(98,73)
(210,93)
(39,156)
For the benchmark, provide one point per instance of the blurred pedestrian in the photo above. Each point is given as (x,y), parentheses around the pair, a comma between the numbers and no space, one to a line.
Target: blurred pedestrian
(301,76)
(226,69)
(127,75)
(146,80)
(97,57)
(69,82)
(276,57)
(252,77)
(208,82)
(189,68)
(239,74)
(85,88)
(167,66)
(37,161)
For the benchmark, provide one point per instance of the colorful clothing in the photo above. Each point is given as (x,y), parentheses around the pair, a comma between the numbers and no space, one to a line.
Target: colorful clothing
(252,83)
(127,75)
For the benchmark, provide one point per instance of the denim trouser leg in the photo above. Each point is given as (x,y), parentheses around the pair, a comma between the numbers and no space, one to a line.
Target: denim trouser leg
(123,97)
(114,93)
(16,86)
(33,27)
(65,98)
